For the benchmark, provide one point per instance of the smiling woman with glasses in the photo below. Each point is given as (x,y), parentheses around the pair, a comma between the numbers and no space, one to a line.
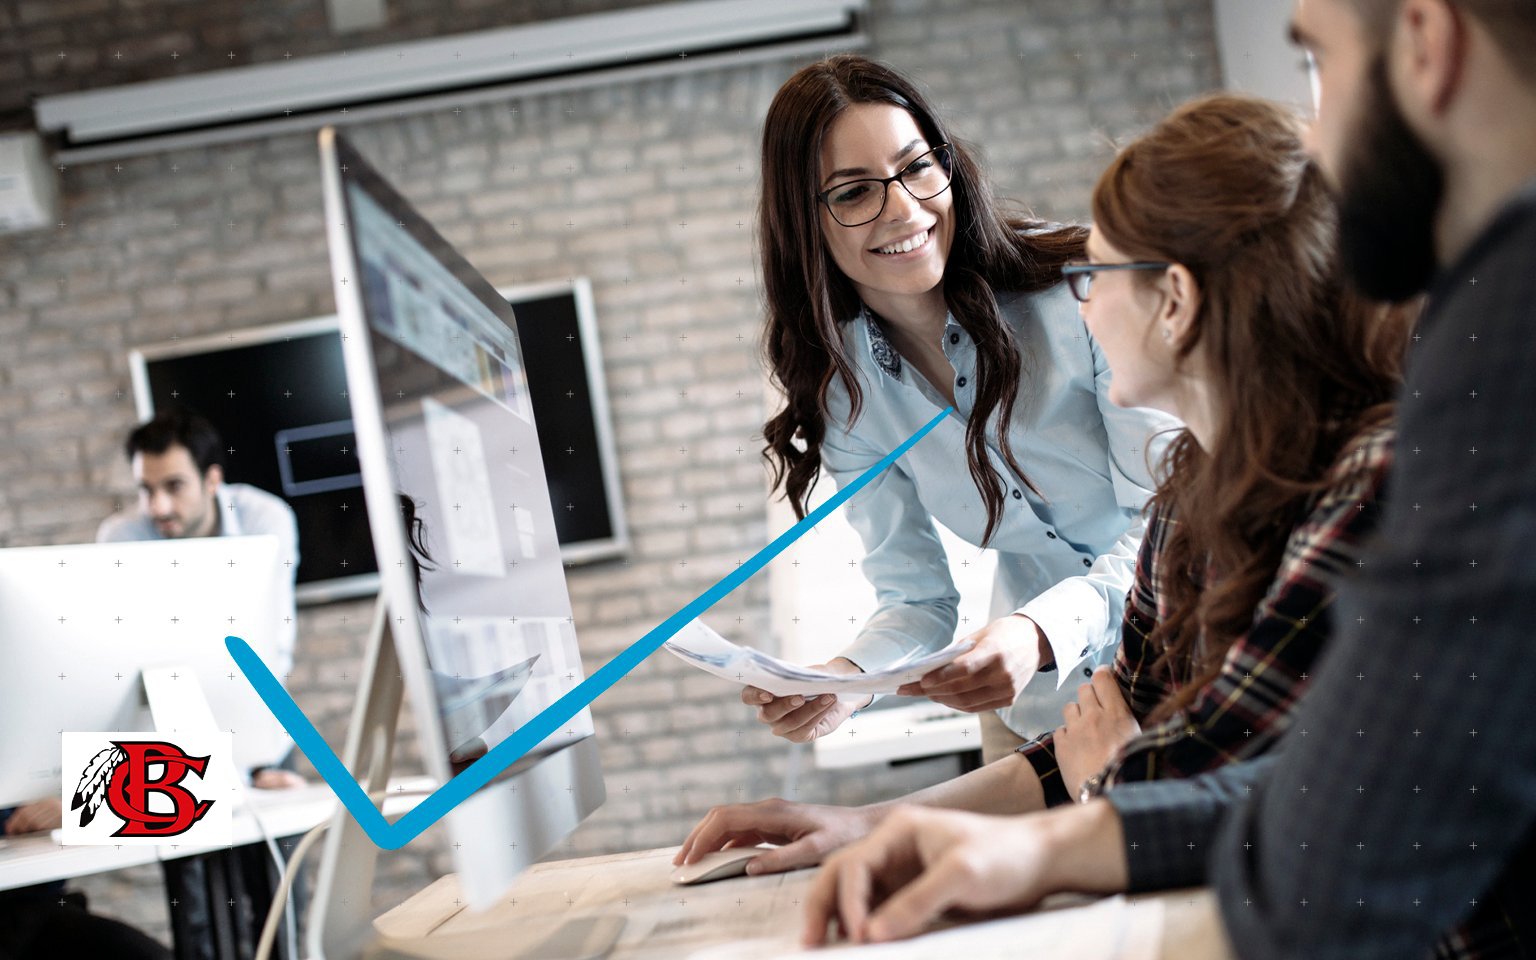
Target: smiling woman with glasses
(896,288)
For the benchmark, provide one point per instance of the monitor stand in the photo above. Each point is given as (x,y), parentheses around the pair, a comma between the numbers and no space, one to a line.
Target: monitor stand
(341,915)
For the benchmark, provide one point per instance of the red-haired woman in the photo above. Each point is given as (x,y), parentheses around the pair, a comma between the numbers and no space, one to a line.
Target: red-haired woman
(1213,286)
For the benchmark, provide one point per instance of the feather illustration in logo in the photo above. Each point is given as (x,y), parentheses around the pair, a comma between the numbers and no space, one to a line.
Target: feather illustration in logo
(92,788)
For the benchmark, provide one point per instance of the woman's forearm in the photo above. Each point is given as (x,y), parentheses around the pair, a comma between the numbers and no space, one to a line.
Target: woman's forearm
(1009,785)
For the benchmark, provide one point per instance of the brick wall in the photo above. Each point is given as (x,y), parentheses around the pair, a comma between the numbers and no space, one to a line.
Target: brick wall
(649,190)
(58,46)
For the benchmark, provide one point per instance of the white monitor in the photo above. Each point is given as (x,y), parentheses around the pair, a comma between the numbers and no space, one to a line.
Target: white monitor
(472,583)
(79,624)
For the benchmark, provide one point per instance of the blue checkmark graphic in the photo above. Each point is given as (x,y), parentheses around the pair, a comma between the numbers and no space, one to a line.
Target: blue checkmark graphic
(391,836)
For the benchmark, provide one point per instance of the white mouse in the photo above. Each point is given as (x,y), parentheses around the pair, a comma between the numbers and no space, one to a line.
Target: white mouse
(731,862)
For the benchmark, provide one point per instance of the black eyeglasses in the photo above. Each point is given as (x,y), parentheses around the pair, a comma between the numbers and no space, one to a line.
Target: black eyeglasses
(854,203)
(1079,276)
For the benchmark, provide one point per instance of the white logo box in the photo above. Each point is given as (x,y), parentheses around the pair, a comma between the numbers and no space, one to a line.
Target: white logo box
(102,774)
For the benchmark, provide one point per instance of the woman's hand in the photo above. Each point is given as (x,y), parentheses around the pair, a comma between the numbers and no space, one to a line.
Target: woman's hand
(801,719)
(990,675)
(921,862)
(1097,726)
(807,832)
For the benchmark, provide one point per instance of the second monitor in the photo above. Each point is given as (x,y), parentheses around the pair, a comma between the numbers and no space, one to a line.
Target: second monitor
(473,587)
(80,623)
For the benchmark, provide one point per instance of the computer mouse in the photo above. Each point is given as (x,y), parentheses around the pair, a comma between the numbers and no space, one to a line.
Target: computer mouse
(731,862)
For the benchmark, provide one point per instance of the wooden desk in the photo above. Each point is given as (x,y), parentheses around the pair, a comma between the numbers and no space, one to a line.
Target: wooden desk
(759,916)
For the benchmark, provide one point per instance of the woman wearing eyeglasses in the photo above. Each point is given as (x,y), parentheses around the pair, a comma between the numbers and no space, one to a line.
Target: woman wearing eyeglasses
(895,289)
(1212,284)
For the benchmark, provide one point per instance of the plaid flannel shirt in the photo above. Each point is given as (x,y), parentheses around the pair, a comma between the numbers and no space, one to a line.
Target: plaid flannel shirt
(1408,812)
(1243,711)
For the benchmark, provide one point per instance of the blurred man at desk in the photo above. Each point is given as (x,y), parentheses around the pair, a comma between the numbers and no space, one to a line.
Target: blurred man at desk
(177,462)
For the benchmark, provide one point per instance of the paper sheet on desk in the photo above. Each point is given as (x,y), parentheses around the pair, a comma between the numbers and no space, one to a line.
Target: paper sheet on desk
(704,648)
(1109,929)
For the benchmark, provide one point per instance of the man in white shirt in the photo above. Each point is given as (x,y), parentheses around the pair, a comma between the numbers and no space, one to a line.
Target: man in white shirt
(176,464)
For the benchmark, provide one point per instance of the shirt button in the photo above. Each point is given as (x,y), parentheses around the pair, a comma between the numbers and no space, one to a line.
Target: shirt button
(1087,562)
(954,338)
(1050,534)
(1087,671)
(1017,495)
(960,382)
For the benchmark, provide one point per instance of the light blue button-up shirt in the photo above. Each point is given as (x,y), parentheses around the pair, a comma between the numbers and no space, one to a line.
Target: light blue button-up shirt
(1065,560)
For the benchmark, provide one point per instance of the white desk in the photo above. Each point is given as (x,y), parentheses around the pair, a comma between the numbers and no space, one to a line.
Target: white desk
(923,729)
(34,859)
(753,916)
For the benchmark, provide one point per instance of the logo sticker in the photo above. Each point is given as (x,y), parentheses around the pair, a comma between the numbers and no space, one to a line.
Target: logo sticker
(148,789)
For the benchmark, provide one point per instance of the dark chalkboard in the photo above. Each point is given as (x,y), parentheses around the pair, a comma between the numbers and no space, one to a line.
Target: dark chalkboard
(278,396)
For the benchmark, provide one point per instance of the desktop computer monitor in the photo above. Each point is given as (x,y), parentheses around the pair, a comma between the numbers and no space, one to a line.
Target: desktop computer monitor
(472,587)
(80,623)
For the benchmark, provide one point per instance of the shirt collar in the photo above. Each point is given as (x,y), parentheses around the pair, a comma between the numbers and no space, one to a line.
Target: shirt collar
(880,350)
(882,353)
(229,523)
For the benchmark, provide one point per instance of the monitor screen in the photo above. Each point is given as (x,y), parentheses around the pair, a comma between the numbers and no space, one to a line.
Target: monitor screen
(79,624)
(485,592)
(472,586)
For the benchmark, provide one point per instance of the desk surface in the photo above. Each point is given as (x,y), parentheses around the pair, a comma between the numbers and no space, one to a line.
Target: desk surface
(37,858)
(906,732)
(761,917)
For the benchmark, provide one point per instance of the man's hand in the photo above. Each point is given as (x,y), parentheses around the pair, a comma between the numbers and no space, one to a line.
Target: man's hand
(802,719)
(1097,726)
(807,832)
(34,817)
(275,778)
(990,675)
(921,862)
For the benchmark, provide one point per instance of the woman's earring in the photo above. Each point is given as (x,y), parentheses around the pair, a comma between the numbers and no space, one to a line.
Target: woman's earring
(1167,335)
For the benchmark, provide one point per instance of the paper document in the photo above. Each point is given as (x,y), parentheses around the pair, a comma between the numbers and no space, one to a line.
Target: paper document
(712,653)
(1110,929)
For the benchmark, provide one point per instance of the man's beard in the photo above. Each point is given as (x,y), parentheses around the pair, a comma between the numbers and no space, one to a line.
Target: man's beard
(1390,189)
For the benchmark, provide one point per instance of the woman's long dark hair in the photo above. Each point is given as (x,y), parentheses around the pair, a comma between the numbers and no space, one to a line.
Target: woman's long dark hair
(809,299)
(1297,364)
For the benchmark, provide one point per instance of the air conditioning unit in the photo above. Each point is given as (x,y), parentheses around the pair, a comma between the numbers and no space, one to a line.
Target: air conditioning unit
(240,103)
(29,195)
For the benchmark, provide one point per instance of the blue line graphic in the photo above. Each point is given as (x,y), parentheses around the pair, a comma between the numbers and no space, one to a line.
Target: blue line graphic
(391,836)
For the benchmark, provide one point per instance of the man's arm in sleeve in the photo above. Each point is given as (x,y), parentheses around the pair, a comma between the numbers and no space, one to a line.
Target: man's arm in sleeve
(1408,783)
(1170,825)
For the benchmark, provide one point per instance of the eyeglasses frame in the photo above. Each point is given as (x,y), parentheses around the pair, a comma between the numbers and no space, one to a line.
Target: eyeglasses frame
(885,185)
(1070,270)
